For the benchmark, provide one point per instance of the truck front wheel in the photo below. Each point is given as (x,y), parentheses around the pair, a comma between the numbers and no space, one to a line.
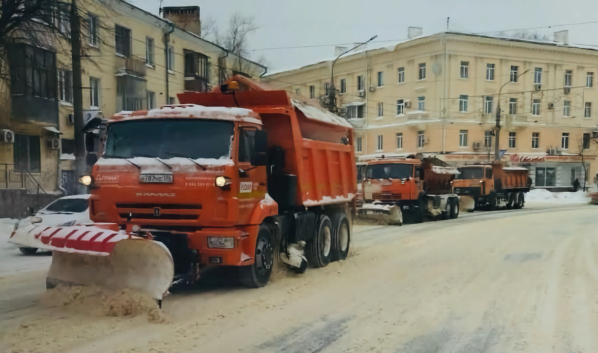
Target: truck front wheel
(258,274)
(520,200)
(342,236)
(454,208)
(492,201)
(319,247)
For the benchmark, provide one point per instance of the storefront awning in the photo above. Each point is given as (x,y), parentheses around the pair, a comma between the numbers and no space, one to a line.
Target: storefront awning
(52,129)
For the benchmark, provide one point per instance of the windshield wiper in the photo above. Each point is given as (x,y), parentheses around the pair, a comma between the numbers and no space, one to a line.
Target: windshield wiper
(126,159)
(189,158)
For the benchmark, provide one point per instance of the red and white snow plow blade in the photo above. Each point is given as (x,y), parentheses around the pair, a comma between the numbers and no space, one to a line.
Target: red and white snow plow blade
(101,257)
(390,214)
(467,203)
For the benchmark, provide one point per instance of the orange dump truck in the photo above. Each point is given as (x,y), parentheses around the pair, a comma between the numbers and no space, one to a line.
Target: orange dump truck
(491,186)
(235,177)
(410,186)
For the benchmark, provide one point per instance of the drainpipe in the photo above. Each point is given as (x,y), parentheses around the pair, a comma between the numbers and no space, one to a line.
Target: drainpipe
(166,44)
(445,96)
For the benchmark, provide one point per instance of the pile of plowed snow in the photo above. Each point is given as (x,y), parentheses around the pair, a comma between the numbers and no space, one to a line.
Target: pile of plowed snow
(545,196)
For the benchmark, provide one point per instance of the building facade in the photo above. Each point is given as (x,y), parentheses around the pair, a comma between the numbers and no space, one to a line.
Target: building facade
(132,60)
(439,95)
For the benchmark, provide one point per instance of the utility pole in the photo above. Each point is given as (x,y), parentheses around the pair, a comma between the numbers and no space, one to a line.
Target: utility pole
(80,164)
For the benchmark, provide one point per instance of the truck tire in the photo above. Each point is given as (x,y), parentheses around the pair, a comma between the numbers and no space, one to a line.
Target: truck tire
(492,201)
(258,274)
(28,251)
(520,201)
(448,210)
(419,212)
(454,208)
(341,239)
(319,247)
(512,200)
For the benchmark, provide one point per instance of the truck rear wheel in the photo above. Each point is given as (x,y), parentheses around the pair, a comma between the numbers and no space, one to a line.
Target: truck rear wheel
(319,247)
(419,211)
(511,200)
(341,240)
(520,200)
(492,201)
(454,208)
(258,274)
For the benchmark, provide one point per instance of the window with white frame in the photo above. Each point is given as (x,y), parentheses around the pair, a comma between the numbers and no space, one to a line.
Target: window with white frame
(514,73)
(587,113)
(464,69)
(568,78)
(343,85)
(565,141)
(358,144)
(488,139)
(566,108)
(92,23)
(535,140)
(536,107)
(380,109)
(538,75)
(65,86)
(422,71)
(421,103)
(590,80)
(312,92)
(488,101)
(400,106)
(512,105)
(421,139)
(512,139)
(399,140)
(463,138)
(360,83)
(490,72)
(150,51)
(94,92)
(151,100)
(122,38)
(354,111)
(170,57)
(380,143)
(463,102)
(401,74)
(380,78)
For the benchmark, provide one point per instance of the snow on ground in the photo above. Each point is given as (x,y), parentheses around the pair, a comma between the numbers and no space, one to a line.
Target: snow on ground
(11,259)
(545,196)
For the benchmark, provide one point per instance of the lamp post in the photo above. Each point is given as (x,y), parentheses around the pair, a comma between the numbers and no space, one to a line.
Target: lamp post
(497,127)
(331,91)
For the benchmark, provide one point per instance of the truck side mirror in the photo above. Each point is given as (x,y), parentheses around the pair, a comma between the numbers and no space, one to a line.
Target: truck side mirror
(259,156)
(90,142)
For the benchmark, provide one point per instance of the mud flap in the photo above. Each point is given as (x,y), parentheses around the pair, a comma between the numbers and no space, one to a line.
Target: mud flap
(389,214)
(467,203)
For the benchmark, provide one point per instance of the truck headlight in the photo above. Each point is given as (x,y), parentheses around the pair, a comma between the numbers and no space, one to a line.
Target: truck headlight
(221,242)
(222,182)
(86,180)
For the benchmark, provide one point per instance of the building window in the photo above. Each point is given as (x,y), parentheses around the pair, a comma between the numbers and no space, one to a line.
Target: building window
(421,139)
(171,100)
(149,51)
(512,139)
(380,143)
(400,106)
(535,140)
(32,72)
(131,93)
(343,85)
(514,73)
(464,69)
(586,141)
(92,23)
(151,100)
(463,138)
(588,110)
(568,78)
(590,80)
(399,140)
(463,102)
(358,145)
(565,141)
(401,74)
(360,83)
(122,39)
(312,92)
(327,88)
(487,139)
(355,111)
(538,75)
(566,108)
(170,57)
(513,106)
(27,153)
(65,86)
(545,176)
(94,92)
(297,91)
(422,71)
(380,109)
(380,78)
(63,18)
(536,107)
(490,72)
(488,105)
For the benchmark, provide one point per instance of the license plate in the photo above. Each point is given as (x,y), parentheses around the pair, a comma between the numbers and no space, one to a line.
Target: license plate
(156,178)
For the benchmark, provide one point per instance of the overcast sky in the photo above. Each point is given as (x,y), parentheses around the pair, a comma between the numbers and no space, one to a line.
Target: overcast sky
(285,23)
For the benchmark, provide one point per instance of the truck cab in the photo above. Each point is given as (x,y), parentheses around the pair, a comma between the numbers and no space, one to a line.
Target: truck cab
(474,180)
(392,180)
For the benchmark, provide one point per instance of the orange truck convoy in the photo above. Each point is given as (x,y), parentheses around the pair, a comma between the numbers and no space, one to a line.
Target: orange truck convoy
(491,186)
(235,177)
(414,187)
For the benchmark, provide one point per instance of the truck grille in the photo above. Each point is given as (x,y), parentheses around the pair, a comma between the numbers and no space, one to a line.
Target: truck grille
(158,212)
(162,206)
(387,196)
(468,191)
(162,216)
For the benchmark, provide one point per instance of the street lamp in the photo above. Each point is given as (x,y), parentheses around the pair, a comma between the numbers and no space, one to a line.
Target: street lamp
(331,93)
(497,127)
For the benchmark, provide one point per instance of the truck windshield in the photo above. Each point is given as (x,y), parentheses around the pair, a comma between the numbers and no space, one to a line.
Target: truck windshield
(168,138)
(471,173)
(389,171)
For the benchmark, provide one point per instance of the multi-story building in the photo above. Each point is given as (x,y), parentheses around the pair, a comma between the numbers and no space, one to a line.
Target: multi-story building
(132,60)
(439,95)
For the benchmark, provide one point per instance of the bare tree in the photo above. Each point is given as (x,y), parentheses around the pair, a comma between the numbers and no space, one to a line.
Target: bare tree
(208,28)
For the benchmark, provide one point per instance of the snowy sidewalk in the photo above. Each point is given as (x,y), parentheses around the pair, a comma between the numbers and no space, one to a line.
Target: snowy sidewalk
(539,196)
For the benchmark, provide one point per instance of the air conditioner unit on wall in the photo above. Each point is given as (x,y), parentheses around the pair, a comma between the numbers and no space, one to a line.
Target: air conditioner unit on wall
(7,136)
(550,105)
(407,104)
(372,89)
(567,90)
(361,94)
(54,143)
(426,141)
(538,87)
(477,145)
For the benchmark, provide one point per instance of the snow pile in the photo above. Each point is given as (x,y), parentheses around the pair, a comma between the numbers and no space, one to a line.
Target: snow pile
(7,225)
(199,111)
(320,114)
(545,196)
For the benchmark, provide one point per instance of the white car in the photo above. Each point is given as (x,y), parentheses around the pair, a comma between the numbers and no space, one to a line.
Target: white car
(66,211)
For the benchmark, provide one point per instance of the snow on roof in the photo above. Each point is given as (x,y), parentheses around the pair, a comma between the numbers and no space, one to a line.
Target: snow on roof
(319,114)
(514,168)
(445,170)
(199,111)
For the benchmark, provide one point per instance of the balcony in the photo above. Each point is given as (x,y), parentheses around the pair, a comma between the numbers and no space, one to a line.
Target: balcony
(196,83)
(130,66)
